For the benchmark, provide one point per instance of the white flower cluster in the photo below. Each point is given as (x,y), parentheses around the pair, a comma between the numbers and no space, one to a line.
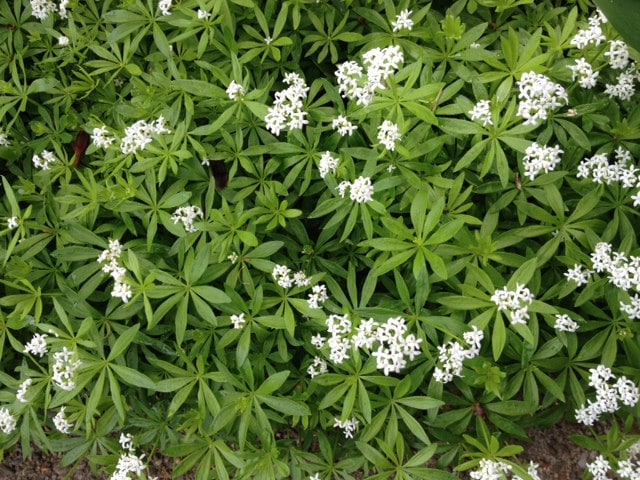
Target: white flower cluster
(128,462)
(539,159)
(12,222)
(598,169)
(349,427)
(187,215)
(343,125)
(482,111)
(109,261)
(564,323)
(65,368)
(583,71)
(165,6)
(235,90)
(618,55)
(389,134)
(453,354)
(101,138)
(22,390)
(393,344)
(599,468)
(63,41)
(361,190)
(37,345)
(625,89)
(286,111)
(492,470)
(4,139)
(593,34)
(630,468)
(402,21)
(138,135)
(318,367)
(317,296)
(44,162)
(238,321)
(327,164)
(282,276)
(7,421)
(515,303)
(41,9)
(608,395)
(538,96)
(578,274)
(61,423)
(380,63)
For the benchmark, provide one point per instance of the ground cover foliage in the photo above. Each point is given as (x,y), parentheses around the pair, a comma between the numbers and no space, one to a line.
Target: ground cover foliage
(317,239)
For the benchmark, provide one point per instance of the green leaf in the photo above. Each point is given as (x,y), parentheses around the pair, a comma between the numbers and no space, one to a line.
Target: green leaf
(285,405)
(273,383)
(123,341)
(212,295)
(133,377)
(422,403)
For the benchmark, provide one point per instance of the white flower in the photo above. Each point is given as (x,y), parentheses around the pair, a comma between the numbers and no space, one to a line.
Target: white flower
(607,395)
(344,126)
(282,276)
(538,96)
(318,341)
(327,164)
(45,161)
(202,15)
(235,90)
(61,423)
(12,222)
(490,470)
(165,7)
(301,279)
(63,41)
(286,112)
(233,257)
(452,356)
(126,442)
(539,159)
(353,83)
(349,427)
(22,390)
(238,321)
(389,134)
(515,303)
(187,215)
(128,463)
(62,8)
(592,35)
(599,468)
(583,70)
(41,9)
(138,135)
(37,345)
(101,137)
(7,421)
(343,187)
(4,139)
(361,190)
(482,111)
(122,291)
(318,367)
(402,21)
(632,309)
(564,323)
(625,88)
(64,369)
(618,55)
(318,296)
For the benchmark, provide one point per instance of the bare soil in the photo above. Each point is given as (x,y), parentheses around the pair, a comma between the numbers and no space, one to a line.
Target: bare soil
(551,448)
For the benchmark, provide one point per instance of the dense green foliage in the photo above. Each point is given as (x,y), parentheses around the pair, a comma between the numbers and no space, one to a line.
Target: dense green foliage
(464,221)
